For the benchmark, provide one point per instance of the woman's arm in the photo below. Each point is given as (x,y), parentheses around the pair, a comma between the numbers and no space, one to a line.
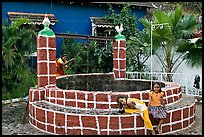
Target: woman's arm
(162,101)
(149,103)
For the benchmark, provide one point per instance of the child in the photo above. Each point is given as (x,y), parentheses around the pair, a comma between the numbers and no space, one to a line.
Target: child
(133,105)
(156,105)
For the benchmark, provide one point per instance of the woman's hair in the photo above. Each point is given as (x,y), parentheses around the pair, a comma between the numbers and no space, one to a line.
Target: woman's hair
(121,110)
(156,83)
(119,97)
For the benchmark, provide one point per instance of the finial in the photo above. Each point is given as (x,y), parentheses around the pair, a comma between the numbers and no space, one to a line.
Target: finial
(46,21)
(119,29)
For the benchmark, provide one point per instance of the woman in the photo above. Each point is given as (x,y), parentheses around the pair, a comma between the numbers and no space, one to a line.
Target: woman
(133,105)
(61,65)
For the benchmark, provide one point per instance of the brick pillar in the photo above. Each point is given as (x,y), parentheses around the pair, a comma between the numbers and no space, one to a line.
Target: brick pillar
(119,57)
(46,55)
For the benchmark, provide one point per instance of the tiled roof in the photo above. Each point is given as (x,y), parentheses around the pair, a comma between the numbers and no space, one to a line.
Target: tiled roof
(142,4)
(35,18)
(99,21)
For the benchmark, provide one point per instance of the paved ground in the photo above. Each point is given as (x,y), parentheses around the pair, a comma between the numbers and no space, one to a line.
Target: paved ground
(12,118)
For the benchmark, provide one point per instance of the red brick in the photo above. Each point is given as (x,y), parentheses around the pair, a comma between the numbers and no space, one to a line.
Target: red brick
(185,113)
(70,95)
(103,133)
(139,122)
(114,98)
(102,97)
(175,91)
(175,98)
(123,43)
(115,64)
(140,132)
(89,121)
(73,131)
(42,42)
(52,93)
(185,123)
(145,96)
(167,119)
(52,42)
(127,122)
(176,115)
(41,126)
(36,96)
(115,43)
(90,97)
(52,54)
(60,94)
(50,117)
(53,69)
(50,128)
(165,128)
(102,106)
(102,122)
(114,106)
(60,119)
(89,132)
(52,100)
(116,73)
(191,111)
(122,64)
(191,120)
(80,96)
(90,105)
(40,115)
(122,53)
(177,126)
(72,121)
(81,104)
(70,103)
(170,99)
(41,54)
(115,53)
(114,123)
(42,81)
(135,95)
(60,131)
(114,133)
(122,74)
(128,132)
(169,92)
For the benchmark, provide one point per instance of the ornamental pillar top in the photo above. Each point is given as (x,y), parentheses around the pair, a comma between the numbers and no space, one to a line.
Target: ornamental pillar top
(46,31)
(119,29)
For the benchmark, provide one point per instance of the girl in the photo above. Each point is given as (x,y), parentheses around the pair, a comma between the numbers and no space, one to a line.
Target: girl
(156,105)
(133,105)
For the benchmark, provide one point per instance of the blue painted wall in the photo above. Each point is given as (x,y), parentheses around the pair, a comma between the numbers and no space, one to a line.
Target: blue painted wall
(71,17)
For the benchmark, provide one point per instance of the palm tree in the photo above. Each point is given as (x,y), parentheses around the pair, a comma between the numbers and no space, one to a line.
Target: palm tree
(138,52)
(173,39)
(17,42)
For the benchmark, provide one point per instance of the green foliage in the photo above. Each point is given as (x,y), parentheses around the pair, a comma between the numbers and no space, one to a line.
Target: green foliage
(16,43)
(172,40)
(136,55)
(138,52)
(125,18)
(87,57)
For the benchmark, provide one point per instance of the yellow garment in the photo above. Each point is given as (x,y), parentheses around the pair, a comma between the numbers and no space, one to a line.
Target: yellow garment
(140,106)
(156,98)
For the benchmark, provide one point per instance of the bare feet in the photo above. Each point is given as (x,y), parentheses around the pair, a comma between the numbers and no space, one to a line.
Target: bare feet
(159,131)
(153,132)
